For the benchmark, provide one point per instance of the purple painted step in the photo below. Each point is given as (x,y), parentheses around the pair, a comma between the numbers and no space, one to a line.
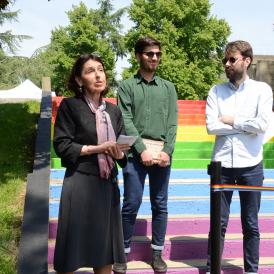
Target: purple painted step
(185,249)
(186,226)
(234,270)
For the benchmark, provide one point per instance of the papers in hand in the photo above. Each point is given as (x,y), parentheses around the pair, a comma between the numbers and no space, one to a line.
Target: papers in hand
(129,140)
(154,147)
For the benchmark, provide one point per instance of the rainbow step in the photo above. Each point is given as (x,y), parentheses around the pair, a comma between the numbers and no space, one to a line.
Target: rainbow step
(229,266)
(189,247)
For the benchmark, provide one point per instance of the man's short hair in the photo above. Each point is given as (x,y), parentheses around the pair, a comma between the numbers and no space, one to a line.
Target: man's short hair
(242,46)
(144,42)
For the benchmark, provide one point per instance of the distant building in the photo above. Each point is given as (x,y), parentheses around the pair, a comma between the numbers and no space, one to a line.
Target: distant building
(262,69)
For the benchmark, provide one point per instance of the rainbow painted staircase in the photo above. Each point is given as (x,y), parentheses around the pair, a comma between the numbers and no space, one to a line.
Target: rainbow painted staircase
(186,240)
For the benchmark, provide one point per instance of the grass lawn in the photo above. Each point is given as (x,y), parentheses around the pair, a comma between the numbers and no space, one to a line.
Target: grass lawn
(17,136)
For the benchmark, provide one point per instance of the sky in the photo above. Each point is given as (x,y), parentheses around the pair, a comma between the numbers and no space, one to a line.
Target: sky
(250,20)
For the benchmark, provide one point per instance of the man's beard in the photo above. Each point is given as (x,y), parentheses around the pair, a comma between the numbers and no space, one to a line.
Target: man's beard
(145,67)
(233,75)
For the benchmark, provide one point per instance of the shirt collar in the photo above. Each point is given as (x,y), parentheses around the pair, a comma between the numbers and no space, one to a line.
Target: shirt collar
(140,79)
(242,85)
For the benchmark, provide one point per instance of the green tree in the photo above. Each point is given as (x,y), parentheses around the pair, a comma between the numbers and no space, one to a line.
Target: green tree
(9,41)
(192,40)
(9,70)
(89,31)
(15,69)
(3,4)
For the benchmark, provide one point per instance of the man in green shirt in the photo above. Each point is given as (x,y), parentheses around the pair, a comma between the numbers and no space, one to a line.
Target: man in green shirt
(149,107)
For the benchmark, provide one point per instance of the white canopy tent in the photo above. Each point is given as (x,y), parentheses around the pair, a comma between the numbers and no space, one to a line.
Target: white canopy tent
(26,90)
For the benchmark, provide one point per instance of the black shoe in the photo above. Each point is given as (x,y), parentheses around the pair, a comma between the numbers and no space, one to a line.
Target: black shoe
(158,264)
(120,267)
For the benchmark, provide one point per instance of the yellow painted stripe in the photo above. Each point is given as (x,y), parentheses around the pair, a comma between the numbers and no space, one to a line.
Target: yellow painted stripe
(194,129)
(194,138)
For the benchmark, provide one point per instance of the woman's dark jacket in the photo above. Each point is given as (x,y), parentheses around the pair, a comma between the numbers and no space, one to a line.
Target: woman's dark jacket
(74,127)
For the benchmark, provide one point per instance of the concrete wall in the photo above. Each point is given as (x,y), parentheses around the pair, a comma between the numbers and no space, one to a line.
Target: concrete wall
(262,69)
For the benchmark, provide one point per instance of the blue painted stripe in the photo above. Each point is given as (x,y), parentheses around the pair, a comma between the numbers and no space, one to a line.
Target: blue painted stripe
(182,207)
(185,190)
(175,174)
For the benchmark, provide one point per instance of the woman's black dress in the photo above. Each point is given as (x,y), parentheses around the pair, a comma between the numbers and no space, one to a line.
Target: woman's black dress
(89,226)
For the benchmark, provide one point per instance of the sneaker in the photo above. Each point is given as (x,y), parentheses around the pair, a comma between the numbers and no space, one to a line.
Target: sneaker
(120,267)
(158,264)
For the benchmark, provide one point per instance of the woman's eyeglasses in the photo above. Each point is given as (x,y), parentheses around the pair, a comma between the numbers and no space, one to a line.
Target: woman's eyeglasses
(231,60)
(151,54)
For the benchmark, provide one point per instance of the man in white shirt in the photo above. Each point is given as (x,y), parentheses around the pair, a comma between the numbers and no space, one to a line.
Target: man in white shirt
(238,113)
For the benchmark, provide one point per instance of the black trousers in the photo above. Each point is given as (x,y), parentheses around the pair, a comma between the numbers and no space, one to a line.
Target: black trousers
(250,205)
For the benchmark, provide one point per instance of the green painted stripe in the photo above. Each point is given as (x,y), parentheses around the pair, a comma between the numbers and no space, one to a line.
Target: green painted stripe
(194,145)
(191,153)
(56,163)
(269,163)
(269,146)
(190,163)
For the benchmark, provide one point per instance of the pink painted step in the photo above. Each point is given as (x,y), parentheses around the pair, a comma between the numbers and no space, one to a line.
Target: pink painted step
(185,226)
(186,248)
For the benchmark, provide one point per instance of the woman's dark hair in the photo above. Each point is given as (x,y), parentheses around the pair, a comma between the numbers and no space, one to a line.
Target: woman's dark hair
(76,71)
(144,42)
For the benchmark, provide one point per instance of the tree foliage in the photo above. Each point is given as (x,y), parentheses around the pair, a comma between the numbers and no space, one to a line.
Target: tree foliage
(4,4)
(15,69)
(89,31)
(9,41)
(192,40)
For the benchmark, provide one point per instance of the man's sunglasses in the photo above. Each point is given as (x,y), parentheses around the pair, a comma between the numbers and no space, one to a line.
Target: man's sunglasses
(231,60)
(151,54)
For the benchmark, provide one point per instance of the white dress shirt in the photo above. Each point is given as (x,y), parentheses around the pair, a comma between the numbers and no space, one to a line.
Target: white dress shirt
(239,145)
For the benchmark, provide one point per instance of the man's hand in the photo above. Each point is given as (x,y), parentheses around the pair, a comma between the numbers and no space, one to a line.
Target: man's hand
(226,119)
(164,159)
(146,158)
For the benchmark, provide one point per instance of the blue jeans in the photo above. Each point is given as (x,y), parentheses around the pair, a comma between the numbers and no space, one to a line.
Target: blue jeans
(250,205)
(134,179)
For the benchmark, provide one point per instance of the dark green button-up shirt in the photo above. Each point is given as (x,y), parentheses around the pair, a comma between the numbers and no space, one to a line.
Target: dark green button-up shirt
(149,110)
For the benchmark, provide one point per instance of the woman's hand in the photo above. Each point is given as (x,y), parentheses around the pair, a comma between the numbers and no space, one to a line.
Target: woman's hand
(124,147)
(114,150)
(94,149)
(111,148)
(106,146)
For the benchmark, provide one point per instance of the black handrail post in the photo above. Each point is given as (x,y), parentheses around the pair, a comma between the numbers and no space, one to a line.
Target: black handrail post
(215,171)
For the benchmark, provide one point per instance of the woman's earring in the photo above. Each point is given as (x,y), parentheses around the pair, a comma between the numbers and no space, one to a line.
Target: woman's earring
(81,89)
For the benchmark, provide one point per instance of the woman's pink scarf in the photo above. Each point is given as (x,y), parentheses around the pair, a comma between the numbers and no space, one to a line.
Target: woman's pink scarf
(105,133)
